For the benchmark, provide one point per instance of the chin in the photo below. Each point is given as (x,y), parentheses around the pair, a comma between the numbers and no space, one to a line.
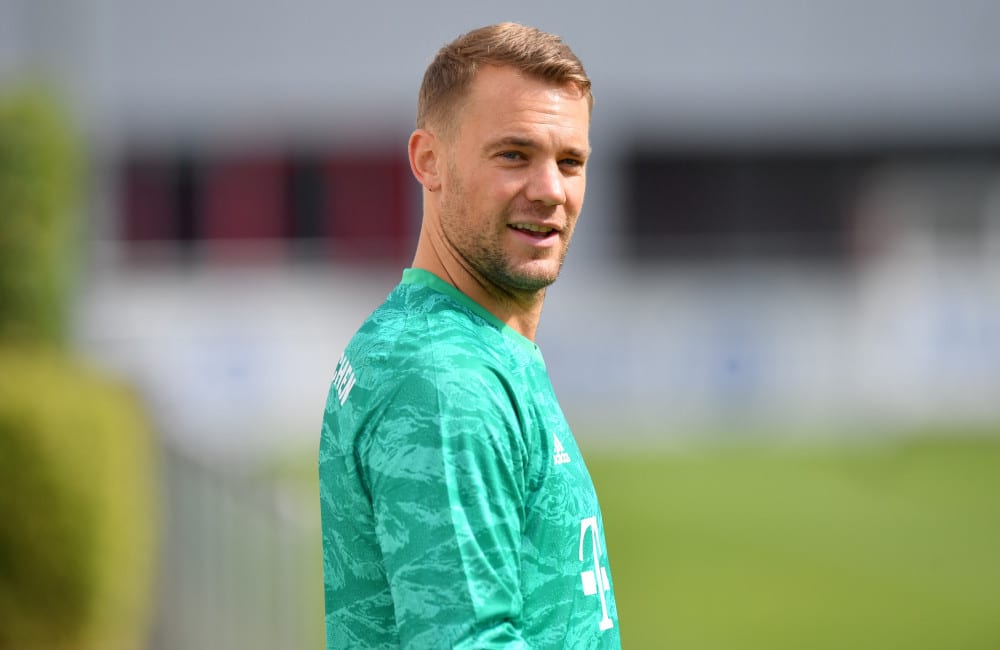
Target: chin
(531,279)
(522,276)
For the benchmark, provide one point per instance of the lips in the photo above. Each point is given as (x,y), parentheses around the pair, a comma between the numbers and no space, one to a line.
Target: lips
(535,230)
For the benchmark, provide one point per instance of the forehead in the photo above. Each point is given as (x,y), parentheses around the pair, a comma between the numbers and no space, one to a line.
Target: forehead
(504,98)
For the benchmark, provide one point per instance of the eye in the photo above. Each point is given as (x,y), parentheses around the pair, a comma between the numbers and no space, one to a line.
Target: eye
(511,155)
(573,163)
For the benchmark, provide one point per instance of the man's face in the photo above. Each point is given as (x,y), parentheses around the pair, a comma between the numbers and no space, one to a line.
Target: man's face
(514,178)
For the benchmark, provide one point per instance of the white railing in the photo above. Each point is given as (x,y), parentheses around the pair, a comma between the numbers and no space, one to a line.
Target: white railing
(241,564)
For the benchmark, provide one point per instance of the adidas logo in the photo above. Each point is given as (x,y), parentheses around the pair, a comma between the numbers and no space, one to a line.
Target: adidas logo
(560,457)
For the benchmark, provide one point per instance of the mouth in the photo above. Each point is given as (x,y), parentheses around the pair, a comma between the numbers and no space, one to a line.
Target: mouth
(533,230)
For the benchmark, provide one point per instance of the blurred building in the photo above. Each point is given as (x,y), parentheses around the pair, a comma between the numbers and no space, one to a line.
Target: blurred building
(793,217)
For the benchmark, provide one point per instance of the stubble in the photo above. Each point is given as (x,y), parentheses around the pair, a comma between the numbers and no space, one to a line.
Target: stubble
(482,248)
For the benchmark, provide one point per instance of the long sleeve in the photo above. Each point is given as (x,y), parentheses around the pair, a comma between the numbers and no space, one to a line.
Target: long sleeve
(447,483)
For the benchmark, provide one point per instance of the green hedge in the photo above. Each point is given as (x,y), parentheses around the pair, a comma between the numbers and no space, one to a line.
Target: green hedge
(78,507)
(77,482)
(39,176)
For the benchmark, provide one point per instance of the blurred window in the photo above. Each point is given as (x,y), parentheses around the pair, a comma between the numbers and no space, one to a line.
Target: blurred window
(370,201)
(825,205)
(243,197)
(339,205)
(740,205)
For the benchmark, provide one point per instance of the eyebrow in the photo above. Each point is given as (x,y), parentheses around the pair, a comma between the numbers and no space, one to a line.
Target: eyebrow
(528,143)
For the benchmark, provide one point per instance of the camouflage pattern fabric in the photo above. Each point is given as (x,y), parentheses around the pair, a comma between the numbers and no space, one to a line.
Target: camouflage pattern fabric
(457,511)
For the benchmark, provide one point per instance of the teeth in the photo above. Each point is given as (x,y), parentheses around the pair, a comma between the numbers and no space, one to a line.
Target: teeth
(531,227)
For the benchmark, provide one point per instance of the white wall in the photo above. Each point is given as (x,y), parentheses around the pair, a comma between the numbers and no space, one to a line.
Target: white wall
(212,64)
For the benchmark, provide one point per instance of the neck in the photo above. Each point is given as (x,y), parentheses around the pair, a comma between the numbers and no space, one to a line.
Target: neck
(520,311)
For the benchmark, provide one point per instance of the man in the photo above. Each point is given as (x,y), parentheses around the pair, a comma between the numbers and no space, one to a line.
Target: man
(457,510)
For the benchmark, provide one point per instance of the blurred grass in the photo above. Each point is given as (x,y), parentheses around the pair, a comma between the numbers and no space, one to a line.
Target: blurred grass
(894,544)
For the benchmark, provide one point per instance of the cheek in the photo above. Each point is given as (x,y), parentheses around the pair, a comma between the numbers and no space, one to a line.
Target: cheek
(575,190)
(505,186)
(490,186)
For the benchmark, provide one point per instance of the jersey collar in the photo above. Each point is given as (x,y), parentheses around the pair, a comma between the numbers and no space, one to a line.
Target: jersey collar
(427,279)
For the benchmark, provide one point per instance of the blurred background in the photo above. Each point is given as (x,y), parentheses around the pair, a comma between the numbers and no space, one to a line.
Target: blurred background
(777,335)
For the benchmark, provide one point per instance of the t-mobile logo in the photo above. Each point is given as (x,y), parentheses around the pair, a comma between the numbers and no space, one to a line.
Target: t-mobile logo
(595,582)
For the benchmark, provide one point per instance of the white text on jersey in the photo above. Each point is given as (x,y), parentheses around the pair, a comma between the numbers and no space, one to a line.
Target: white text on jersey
(343,379)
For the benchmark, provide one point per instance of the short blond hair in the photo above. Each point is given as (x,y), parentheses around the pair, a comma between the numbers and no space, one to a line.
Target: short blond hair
(530,50)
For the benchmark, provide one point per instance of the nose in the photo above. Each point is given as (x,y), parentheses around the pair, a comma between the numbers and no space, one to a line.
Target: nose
(546,184)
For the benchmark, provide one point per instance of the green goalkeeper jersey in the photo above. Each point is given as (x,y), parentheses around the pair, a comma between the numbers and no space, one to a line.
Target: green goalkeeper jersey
(457,510)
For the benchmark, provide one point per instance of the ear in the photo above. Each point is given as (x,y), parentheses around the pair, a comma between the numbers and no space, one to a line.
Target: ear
(425,159)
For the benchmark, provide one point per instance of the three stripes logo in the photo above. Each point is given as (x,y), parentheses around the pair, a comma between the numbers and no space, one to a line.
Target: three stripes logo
(560,456)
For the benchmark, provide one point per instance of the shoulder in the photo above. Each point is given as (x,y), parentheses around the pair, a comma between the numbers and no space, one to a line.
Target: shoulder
(419,327)
(420,337)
